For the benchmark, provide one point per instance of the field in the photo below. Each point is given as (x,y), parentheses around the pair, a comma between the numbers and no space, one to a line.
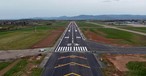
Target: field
(83,24)
(139,29)
(18,67)
(114,37)
(27,37)
(28,66)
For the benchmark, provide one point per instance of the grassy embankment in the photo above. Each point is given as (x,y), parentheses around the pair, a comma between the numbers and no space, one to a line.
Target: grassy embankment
(26,37)
(117,36)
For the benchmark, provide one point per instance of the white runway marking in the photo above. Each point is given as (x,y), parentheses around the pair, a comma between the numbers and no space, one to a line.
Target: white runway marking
(72,49)
(86,49)
(66,37)
(78,37)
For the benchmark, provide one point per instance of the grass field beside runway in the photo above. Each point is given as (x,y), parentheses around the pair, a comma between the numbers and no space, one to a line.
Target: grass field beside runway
(83,24)
(136,69)
(139,29)
(18,67)
(117,36)
(28,66)
(26,37)
(4,65)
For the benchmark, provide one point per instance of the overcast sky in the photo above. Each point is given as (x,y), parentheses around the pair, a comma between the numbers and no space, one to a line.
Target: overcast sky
(10,9)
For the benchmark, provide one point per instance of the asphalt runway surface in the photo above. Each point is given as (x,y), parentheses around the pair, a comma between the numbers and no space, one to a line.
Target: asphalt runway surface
(72,56)
(100,48)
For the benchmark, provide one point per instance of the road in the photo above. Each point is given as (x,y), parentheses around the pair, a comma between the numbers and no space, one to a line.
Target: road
(72,56)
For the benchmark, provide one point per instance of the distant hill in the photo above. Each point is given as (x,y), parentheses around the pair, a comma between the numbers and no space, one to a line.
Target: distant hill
(96,17)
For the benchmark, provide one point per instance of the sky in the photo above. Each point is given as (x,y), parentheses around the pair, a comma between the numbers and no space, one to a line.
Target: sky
(16,9)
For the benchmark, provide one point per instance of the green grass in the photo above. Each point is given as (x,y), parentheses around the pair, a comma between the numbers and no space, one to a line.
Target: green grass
(140,29)
(18,67)
(36,72)
(26,37)
(22,38)
(4,65)
(84,24)
(136,69)
(116,34)
(123,37)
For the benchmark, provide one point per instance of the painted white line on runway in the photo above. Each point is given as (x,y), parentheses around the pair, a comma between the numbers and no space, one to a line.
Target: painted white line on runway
(67,48)
(74,48)
(79,31)
(79,48)
(70,48)
(83,48)
(72,35)
(63,34)
(63,48)
(68,30)
(66,37)
(86,49)
(78,37)
(59,49)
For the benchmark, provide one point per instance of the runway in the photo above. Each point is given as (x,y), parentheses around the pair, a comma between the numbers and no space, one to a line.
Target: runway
(72,56)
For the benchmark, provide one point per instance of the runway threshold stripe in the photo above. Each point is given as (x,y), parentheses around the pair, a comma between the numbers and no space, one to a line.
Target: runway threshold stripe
(76,49)
(86,49)
(72,49)
(58,49)
(79,48)
(67,48)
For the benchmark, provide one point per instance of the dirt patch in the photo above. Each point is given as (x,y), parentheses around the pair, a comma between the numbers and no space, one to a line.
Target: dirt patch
(34,62)
(50,39)
(93,36)
(28,69)
(120,61)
